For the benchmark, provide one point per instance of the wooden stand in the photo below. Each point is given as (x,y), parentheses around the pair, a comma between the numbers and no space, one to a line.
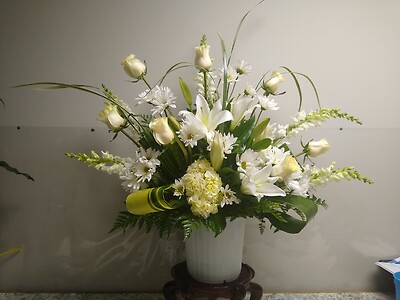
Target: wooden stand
(189,288)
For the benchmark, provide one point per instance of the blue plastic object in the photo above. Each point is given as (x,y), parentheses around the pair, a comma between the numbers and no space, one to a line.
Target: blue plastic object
(396,277)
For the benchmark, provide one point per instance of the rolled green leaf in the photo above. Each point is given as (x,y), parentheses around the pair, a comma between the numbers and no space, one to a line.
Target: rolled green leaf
(304,207)
(148,201)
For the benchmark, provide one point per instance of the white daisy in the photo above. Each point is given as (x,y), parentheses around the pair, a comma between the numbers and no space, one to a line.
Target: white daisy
(247,161)
(190,133)
(243,67)
(266,103)
(228,196)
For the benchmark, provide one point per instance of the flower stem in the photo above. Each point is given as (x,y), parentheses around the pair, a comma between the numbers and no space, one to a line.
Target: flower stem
(129,137)
(145,81)
(205,86)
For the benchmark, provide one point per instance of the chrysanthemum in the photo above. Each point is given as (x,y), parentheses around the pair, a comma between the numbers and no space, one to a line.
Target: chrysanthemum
(228,196)
(160,97)
(243,67)
(247,161)
(267,103)
(298,184)
(144,170)
(190,134)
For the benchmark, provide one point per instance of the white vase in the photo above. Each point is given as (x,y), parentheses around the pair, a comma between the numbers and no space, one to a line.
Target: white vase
(218,259)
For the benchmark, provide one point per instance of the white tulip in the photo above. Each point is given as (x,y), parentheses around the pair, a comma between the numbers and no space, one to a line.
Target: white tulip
(134,67)
(111,117)
(316,148)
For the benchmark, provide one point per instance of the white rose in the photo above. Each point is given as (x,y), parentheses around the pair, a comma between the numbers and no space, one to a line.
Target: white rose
(111,117)
(161,131)
(202,59)
(134,67)
(271,85)
(316,148)
(286,168)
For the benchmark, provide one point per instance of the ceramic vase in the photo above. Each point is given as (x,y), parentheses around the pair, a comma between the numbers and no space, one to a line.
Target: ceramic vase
(216,259)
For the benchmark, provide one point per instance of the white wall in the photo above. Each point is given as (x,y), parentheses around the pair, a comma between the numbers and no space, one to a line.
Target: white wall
(349,48)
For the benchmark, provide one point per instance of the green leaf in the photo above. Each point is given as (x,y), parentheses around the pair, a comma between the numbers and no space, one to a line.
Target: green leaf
(259,128)
(216,222)
(186,92)
(243,131)
(261,144)
(305,208)
(14,170)
(174,160)
(225,74)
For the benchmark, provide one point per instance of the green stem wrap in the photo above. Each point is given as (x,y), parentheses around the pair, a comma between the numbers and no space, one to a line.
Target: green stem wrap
(148,201)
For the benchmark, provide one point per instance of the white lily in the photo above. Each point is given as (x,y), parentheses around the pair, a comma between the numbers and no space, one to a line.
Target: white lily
(240,107)
(209,119)
(259,183)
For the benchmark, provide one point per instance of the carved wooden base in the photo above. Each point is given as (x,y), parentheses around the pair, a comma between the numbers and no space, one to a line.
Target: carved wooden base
(189,288)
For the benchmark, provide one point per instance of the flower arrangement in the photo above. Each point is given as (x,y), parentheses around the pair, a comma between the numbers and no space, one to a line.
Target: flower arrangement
(220,158)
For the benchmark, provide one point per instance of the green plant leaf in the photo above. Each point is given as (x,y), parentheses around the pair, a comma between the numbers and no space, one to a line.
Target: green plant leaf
(243,131)
(261,144)
(305,208)
(257,131)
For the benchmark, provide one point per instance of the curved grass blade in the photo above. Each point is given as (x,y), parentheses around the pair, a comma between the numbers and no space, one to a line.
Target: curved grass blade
(238,29)
(297,86)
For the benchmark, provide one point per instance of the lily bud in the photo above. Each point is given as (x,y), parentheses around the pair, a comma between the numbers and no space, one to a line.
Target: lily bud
(271,85)
(316,148)
(134,67)
(202,60)
(111,117)
(217,151)
(162,133)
